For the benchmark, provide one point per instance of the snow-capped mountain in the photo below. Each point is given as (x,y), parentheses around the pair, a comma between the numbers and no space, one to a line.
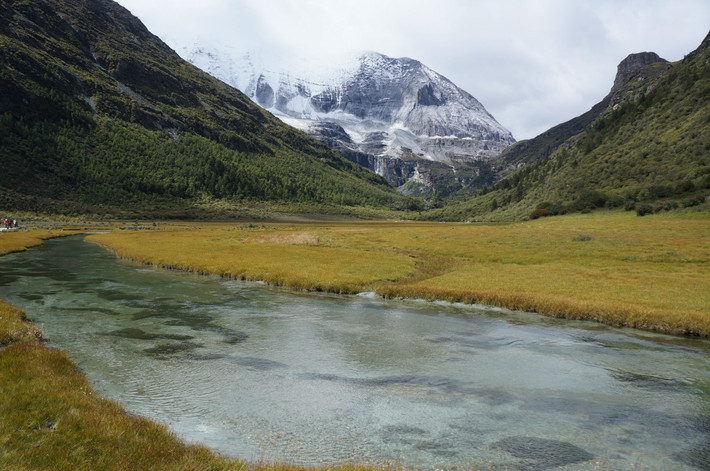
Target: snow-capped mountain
(372,108)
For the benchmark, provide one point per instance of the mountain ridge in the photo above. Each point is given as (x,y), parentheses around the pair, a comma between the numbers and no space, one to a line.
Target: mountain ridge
(645,145)
(543,145)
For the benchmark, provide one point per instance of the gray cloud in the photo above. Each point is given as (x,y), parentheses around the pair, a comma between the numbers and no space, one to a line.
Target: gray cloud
(532,63)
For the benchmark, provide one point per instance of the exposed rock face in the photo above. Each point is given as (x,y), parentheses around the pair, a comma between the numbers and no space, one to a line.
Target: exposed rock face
(705,44)
(374,109)
(631,64)
(396,170)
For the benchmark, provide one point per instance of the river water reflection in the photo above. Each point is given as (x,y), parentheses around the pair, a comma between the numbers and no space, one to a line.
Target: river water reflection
(263,373)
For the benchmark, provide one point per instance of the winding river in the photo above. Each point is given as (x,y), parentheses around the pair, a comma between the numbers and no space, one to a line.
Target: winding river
(261,373)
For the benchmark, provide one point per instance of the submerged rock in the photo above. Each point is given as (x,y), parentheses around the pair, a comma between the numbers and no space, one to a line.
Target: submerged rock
(138,334)
(133,333)
(542,453)
(258,364)
(166,349)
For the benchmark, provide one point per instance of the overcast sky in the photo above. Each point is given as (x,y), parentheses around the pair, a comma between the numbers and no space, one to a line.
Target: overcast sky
(532,63)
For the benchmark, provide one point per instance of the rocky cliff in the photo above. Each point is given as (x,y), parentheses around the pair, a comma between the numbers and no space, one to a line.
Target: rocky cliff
(631,64)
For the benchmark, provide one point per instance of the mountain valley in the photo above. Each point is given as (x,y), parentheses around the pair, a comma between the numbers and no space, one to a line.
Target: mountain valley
(99,116)
(645,146)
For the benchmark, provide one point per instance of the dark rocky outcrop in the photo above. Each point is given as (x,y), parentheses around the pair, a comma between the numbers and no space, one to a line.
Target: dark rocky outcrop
(631,64)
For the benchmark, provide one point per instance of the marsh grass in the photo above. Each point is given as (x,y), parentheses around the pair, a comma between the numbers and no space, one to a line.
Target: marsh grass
(650,273)
(18,241)
(278,256)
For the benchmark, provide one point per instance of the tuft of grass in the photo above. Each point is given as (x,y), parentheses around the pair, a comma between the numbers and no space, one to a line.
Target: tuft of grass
(14,327)
(582,238)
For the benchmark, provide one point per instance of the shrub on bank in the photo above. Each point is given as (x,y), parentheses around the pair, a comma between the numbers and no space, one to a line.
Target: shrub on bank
(540,213)
(642,209)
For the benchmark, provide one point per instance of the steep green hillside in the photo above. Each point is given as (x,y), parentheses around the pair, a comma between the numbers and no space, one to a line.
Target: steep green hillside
(542,146)
(649,148)
(96,111)
(532,150)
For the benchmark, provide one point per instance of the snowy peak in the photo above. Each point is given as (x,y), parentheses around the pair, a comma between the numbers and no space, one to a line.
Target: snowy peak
(369,92)
(367,106)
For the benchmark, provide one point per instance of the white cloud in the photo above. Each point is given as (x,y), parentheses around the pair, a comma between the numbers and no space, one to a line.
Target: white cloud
(532,63)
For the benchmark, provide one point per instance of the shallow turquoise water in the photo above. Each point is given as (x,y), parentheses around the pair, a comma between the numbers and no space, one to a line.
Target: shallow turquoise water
(263,373)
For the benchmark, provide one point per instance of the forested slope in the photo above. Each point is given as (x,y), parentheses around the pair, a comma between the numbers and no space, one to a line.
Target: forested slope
(95,110)
(649,147)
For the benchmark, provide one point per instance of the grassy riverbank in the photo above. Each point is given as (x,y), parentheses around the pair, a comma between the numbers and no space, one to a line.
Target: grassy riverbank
(14,327)
(613,267)
(50,418)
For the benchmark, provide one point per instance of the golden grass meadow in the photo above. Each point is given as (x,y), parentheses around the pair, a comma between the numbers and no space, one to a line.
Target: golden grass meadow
(612,267)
